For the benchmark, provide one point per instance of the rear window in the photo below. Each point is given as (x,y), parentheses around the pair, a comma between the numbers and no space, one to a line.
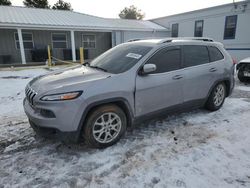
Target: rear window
(195,55)
(215,54)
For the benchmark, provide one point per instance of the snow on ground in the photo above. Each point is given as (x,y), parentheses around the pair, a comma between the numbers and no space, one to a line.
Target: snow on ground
(12,88)
(243,88)
(12,91)
(193,149)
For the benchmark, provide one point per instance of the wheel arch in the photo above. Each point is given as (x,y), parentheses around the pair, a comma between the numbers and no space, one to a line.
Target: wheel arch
(227,83)
(120,102)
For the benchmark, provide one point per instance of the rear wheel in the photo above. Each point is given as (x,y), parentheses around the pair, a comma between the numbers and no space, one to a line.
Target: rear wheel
(217,97)
(105,126)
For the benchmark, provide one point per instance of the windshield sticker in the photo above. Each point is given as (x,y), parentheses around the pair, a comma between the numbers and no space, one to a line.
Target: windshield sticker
(133,55)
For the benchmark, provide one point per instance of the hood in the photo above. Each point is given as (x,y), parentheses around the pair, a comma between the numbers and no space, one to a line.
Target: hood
(246,60)
(66,77)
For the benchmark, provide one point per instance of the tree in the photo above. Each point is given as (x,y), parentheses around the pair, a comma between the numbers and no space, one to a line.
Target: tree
(5,2)
(61,5)
(36,3)
(131,13)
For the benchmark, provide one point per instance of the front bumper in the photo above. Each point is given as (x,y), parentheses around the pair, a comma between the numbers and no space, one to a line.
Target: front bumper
(66,119)
(68,137)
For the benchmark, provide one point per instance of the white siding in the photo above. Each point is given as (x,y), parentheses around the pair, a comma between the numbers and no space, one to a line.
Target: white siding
(214,23)
(128,35)
(119,37)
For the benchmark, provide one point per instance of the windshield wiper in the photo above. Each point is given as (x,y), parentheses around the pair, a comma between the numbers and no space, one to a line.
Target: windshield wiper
(86,64)
(96,67)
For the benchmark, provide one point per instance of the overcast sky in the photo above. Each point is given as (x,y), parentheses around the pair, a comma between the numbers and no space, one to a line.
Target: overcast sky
(152,8)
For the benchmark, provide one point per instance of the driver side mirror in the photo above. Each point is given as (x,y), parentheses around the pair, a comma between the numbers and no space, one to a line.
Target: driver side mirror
(147,68)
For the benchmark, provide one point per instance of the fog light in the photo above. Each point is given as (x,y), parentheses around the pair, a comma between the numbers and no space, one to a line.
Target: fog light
(47,113)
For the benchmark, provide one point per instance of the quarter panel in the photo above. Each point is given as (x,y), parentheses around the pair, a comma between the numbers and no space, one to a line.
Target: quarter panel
(199,80)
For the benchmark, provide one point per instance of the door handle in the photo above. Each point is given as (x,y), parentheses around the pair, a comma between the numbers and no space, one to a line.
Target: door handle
(212,69)
(177,77)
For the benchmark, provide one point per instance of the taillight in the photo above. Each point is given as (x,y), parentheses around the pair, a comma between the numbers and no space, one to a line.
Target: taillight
(234,61)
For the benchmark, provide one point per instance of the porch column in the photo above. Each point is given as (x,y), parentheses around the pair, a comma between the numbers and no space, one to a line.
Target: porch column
(113,37)
(73,47)
(20,38)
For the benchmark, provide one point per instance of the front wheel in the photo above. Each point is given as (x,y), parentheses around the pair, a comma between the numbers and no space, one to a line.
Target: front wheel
(105,126)
(216,97)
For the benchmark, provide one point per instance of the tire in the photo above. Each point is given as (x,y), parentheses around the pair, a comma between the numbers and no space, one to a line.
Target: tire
(216,97)
(105,126)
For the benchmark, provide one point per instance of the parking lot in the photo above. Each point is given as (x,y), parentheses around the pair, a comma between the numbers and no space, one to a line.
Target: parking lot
(193,149)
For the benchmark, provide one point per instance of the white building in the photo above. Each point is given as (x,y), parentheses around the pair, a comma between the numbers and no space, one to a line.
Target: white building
(229,24)
(25,34)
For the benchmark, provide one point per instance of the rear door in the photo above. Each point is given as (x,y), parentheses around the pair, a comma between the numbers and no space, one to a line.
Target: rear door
(162,88)
(200,73)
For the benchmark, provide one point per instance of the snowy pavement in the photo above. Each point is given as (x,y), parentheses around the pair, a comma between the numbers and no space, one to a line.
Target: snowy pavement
(194,149)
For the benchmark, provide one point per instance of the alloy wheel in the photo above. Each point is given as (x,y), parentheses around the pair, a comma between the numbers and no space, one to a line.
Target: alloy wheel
(219,95)
(107,127)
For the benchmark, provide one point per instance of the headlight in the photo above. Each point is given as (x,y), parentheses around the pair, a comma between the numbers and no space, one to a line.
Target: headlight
(62,96)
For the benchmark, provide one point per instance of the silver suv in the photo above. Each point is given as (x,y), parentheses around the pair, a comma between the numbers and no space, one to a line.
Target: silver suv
(127,84)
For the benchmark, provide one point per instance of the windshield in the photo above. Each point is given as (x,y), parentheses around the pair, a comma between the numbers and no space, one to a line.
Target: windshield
(121,58)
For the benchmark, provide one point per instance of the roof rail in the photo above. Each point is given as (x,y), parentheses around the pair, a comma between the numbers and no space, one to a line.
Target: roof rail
(132,40)
(186,38)
(203,39)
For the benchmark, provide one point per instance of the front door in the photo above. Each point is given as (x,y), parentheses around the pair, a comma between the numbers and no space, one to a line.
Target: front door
(163,87)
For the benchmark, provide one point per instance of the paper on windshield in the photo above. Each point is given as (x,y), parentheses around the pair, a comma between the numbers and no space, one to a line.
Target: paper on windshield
(133,55)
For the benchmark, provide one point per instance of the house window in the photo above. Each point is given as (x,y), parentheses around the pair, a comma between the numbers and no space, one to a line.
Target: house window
(89,41)
(175,28)
(27,41)
(59,40)
(230,27)
(198,29)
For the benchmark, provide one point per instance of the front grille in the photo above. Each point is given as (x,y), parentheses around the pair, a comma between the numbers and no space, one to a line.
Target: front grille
(30,94)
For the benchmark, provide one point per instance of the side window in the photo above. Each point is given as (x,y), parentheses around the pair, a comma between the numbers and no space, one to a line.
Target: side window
(215,54)
(168,59)
(195,55)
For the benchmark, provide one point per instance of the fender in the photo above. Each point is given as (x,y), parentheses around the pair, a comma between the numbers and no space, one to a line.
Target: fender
(123,101)
(215,83)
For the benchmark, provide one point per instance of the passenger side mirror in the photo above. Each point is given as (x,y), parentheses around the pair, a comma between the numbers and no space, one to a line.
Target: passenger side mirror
(148,68)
